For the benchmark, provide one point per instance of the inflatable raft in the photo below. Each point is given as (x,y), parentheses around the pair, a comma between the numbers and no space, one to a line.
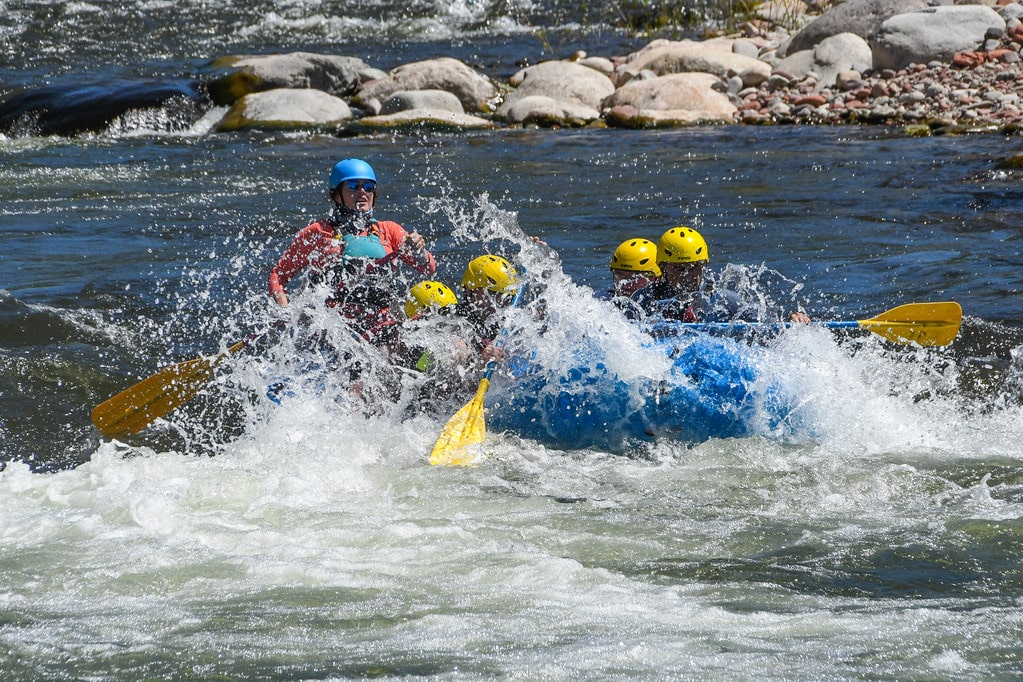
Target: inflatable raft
(716,388)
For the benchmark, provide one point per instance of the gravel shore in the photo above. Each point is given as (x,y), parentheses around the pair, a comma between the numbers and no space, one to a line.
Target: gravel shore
(979,91)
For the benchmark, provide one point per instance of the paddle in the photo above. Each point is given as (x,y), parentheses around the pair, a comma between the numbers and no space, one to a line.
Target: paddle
(138,406)
(467,427)
(927,324)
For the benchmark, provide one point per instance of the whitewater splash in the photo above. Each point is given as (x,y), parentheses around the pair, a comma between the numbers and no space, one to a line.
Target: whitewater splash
(582,376)
(880,509)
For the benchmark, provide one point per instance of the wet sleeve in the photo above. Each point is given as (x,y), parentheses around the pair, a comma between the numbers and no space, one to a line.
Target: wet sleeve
(294,258)
(393,238)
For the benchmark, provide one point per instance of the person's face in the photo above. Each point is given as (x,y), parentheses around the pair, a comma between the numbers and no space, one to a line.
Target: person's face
(357,195)
(485,302)
(627,282)
(683,277)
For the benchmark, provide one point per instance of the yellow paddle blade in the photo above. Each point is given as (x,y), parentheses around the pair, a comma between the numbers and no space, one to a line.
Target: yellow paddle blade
(138,406)
(457,444)
(929,324)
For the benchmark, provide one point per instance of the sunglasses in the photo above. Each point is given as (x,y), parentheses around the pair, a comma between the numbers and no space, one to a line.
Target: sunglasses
(353,185)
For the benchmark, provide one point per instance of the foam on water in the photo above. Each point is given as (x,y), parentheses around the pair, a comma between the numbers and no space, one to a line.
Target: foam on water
(874,533)
(317,538)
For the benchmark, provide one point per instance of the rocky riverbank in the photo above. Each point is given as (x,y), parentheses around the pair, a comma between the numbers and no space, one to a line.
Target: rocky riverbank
(930,68)
(936,89)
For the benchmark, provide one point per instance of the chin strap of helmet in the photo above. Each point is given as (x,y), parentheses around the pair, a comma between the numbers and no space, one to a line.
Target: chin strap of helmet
(350,221)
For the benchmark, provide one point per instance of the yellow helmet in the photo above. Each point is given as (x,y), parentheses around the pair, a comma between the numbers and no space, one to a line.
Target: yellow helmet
(636,255)
(492,273)
(682,244)
(428,295)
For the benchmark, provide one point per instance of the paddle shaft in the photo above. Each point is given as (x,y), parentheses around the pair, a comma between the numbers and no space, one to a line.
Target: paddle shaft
(488,371)
(740,327)
(928,324)
(468,427)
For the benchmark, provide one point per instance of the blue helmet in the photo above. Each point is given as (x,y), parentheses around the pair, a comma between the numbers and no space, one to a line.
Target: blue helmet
(368,246)
(351,169)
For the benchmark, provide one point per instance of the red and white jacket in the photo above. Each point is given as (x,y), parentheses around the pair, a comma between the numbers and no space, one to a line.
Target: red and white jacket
(319,248)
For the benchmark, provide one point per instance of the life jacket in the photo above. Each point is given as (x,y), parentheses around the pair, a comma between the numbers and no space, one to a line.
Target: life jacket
(657,300)
(376,325)
(362,285)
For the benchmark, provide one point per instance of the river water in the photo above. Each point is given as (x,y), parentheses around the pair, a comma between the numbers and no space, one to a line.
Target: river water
(239,539)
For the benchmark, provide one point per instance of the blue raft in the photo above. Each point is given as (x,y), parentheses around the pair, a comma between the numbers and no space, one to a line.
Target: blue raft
(715,389)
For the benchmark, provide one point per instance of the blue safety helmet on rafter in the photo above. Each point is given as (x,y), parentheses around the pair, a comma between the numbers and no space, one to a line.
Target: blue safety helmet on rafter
(351,169)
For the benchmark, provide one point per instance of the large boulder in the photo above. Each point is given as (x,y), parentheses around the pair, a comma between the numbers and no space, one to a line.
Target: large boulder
(675,99)
(842,52)
(73,108)
(832,56)
(243,75)
(579,90)
(408,100)
(932,34)
(435,109)
(474,90)
(542,110)
(862,17)
(600,64)
(286,108)
(796,66)
(711,56)
(433,119)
